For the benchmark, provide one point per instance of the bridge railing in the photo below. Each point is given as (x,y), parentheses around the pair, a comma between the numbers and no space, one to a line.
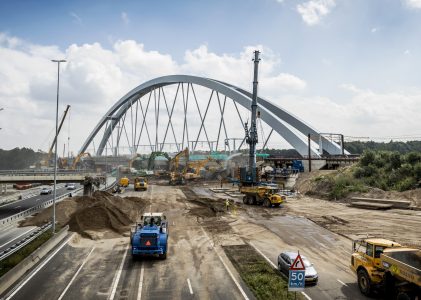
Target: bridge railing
(45,172)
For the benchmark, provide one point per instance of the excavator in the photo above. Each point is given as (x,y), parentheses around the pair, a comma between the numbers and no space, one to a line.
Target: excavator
(194,168)
(177,175)
(46,163)
(153,156)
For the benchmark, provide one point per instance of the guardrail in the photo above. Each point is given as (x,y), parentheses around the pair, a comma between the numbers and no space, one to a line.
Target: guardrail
(24,241)
(19,216)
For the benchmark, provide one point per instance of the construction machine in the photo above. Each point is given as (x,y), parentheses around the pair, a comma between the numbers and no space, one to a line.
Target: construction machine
(140,184)
(124,182)
(255,192)
(177,174)
(78,159)
(46,163)
(150,236)
(153,156)
(387,265)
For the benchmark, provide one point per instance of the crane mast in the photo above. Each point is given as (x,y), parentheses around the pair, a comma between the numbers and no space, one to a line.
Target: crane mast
(251,134)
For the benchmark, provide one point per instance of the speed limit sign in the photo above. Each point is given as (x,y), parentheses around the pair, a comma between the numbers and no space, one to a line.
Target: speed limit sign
(296,280)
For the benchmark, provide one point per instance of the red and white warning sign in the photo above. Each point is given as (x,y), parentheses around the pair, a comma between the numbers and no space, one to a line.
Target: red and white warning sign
(148,243)
(298,263)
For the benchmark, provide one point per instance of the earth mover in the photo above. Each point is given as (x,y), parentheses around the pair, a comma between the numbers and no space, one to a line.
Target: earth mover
(384,264)
(140,184)
(262,195)
(150,236)
(124,182)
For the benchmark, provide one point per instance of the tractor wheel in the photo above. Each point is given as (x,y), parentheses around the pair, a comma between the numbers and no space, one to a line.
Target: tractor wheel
(251,200)
(267,203)
(364,282)
(163,256)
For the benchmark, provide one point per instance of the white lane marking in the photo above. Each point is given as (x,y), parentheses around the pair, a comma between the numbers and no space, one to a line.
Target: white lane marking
(142,271)
(17,237)
(38,269)
(118,274)
(273,265)
(74,276)
(191,290)
(341,282)
(264,256)
(18,206)
(226,267)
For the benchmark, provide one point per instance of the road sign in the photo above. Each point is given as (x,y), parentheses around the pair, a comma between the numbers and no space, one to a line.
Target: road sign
(297,278)
(298,263)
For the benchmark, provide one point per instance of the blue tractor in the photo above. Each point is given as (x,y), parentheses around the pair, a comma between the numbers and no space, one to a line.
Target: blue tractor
(150,236)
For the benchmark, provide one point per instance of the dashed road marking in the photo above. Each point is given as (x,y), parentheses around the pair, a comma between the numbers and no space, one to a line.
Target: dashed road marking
(74,276)
(341,282)
(139,292)
(190,288)
(118,274)
(305,295)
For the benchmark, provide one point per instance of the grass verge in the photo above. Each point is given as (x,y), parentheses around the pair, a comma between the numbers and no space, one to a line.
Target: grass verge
(263,280)
(8,263)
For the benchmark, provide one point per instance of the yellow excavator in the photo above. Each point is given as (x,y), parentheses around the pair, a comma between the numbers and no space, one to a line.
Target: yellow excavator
(177,175)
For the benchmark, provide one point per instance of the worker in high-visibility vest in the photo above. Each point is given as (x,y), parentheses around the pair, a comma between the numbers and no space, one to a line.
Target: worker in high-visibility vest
(227,204)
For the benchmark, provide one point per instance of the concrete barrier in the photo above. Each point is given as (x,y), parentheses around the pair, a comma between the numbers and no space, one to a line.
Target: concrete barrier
(8,279)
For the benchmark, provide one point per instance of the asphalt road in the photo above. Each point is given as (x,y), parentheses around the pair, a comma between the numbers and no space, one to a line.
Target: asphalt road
(10,209)
(104,269)
(10,235)
(196,266)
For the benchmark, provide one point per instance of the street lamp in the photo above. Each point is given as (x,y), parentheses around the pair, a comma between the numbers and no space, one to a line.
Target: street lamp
(55,147)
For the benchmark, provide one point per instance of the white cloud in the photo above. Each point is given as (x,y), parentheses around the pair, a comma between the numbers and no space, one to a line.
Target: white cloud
(374,30)
(94,78)
(365,113)
(407,52)
(314,10)
(413,3)
(125,18)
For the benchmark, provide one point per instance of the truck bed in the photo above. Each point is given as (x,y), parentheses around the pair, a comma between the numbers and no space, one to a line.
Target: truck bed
(404,263)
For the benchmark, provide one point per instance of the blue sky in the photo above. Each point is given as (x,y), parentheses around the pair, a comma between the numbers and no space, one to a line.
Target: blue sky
(344,51)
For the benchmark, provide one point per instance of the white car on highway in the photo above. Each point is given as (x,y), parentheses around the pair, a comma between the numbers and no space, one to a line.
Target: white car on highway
(46,191)
(71,186)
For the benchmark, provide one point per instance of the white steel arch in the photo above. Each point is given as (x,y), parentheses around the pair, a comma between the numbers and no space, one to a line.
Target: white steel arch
(271,114)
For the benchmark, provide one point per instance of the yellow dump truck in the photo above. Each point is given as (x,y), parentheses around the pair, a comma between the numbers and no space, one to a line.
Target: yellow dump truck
(262,195)
(140,184)
(124,181)
(384,264)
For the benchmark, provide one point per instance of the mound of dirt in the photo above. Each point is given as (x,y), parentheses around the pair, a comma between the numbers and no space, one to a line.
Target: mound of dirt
(101,215)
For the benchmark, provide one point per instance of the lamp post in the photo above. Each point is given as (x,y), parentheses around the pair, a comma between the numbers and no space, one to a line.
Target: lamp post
(55,146)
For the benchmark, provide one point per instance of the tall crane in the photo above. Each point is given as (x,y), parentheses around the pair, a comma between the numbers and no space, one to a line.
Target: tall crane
(50,151)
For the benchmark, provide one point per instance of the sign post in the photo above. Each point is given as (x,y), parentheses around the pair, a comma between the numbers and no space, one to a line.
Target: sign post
(296,279)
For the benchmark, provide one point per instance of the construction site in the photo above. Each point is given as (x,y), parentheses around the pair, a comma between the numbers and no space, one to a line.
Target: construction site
(195,224)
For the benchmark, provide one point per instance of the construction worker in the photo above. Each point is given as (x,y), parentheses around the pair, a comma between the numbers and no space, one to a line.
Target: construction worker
(227,204)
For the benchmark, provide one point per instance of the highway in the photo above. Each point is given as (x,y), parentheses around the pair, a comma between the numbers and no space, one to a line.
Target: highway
(10,209)
(82,269)
(196,266)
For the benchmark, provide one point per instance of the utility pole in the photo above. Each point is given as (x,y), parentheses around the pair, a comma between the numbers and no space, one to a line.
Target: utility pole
(252,139)
(55,150)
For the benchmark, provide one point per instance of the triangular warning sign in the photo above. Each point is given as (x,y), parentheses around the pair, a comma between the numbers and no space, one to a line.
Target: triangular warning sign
(148,243)
(298,264)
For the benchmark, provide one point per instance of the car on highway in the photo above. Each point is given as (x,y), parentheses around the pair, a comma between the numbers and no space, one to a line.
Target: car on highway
(285,259)
(71,186)
(46,191)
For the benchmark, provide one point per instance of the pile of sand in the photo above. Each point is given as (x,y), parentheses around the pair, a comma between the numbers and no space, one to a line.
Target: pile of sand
(101,215)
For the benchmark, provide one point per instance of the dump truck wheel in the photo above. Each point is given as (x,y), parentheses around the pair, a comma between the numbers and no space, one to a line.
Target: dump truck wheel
(364,282)
(245,200)
(277,204)
(267,203)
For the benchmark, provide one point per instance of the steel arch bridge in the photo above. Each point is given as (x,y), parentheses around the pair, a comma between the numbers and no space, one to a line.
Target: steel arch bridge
(123,122)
